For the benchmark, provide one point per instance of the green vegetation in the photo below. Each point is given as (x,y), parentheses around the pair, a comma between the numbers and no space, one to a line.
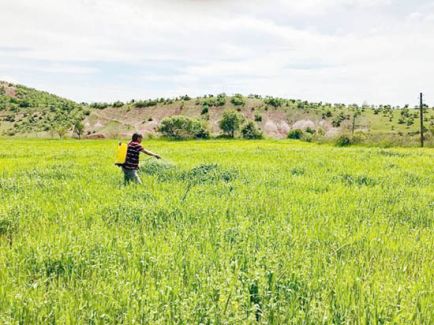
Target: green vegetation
(295,134)
(78,129)
(277,231)
(32,111)
(251,131)
(238,100)
(145,103)
(343,141)
(230,123)
(181,128)
(216,101)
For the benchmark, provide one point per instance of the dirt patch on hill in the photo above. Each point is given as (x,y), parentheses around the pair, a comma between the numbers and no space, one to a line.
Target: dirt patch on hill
(9,90)
(275,124)
(304,124)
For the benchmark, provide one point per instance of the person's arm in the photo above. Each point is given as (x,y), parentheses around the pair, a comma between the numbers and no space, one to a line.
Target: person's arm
(150,153)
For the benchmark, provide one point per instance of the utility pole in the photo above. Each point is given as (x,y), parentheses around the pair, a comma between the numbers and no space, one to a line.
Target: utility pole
(421,120)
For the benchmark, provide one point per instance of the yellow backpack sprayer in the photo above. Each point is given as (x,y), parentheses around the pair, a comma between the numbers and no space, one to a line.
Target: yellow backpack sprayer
(121,155)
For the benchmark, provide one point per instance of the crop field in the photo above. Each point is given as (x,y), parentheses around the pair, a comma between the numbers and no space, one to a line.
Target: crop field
(220,232)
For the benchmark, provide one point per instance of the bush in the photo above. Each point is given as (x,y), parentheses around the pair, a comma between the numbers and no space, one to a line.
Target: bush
(295,134)
(251,131)
(221,99)
(321,132)
(310,130)
(308,137)
(205,110)
(343,141)
(338,120)
(181,127)
(275,102)
(118,104)
(24,104)
(210,100)
(145,103)
(258,117)
(238,100)
(99,105)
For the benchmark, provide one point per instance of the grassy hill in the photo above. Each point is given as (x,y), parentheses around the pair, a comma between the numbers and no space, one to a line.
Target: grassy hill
(29,112)
(26,111)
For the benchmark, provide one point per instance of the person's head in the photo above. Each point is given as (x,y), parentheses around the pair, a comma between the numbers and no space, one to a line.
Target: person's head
(137,137)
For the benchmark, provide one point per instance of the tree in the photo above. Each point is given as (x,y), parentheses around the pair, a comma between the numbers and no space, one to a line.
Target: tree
(230,123)
(61,131)
(78,129)
(353,124)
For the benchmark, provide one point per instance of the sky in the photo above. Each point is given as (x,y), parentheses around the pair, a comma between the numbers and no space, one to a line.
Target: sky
(345,51)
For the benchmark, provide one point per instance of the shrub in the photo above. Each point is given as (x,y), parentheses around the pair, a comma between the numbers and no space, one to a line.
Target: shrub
(343,141)
(205,109)
(251,131)
(24,104)
(258,117)
(145,103)
(99,105)
(210,100)
(275,102)
(410,121)
(238,100)
(181,127)
(221,99)
(321,131)
(230,123)
(296,134)
(308,137)
(310,130)
(338,120)
(118,104)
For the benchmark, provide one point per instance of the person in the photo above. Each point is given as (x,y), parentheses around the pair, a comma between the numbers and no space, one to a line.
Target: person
(131,164)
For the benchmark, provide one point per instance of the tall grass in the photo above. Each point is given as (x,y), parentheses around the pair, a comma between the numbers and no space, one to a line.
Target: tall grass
(270,231)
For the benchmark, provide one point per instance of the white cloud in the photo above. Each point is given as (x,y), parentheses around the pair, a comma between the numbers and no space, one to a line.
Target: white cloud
(337,50)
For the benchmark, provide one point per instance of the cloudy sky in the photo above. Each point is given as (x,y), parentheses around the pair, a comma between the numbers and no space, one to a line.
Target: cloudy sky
(378,51)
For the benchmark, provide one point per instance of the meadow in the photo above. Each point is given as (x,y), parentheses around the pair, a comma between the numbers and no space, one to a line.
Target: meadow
(221,232)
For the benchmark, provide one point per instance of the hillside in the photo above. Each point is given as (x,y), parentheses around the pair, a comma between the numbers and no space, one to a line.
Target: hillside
(26,111)
(29,112)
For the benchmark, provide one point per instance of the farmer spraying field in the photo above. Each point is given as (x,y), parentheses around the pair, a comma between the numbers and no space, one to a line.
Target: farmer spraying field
(131,160)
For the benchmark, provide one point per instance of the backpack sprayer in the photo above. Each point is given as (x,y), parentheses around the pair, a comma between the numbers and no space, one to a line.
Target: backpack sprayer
(121,154)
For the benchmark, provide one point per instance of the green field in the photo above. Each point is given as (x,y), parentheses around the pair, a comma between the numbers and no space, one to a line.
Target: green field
(274,231)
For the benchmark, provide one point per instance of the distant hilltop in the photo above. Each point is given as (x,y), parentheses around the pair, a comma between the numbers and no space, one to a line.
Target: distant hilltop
(32,113)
